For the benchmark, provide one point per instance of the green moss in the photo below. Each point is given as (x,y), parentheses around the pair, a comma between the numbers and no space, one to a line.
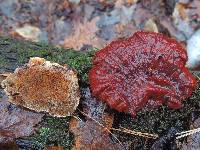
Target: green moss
(52,131)
(3,62)
(158,121)
(79,61)
(24,50)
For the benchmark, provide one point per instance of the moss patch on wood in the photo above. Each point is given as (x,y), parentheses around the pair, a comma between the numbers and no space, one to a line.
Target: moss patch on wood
(14,53)
(54,131)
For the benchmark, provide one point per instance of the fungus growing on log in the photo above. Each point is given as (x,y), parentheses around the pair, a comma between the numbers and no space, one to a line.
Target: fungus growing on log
(147,69)
(44,86)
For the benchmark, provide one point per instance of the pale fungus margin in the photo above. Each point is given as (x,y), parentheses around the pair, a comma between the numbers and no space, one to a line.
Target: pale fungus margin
(43,86)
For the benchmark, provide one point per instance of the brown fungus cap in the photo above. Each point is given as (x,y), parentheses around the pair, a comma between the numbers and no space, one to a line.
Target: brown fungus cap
(44,86)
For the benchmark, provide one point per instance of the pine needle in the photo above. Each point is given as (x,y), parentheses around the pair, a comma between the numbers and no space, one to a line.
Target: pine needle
(187,133)
(136,133)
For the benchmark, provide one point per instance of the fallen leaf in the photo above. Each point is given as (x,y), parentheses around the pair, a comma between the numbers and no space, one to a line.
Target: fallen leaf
(186,17)
(193,51)
(16,122)
(29,32)
(54,148)
(167,141)
(125,30)
(174,32)
(141,15)
(90,135)
(8,8)
(9,146)
(120,14)
(75,1)
(151,26)
(193,141)
(181,21)
(93,134)
(194,10)
(161,28)
(84,34)
(119,3)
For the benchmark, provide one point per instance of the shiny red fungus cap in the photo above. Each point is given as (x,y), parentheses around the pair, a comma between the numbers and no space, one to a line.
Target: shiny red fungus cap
(146,69)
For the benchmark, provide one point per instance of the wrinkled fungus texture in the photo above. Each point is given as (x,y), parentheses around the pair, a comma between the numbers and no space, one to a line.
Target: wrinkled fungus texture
(44,86)
(147,69)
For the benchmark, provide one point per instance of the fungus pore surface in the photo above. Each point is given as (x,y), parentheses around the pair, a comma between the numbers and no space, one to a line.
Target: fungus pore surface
(44,86)
(147,69)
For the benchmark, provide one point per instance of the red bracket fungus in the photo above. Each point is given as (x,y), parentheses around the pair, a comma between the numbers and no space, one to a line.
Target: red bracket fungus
(147,69)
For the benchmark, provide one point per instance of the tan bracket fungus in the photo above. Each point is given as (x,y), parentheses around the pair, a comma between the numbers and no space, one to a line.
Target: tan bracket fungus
(44,86)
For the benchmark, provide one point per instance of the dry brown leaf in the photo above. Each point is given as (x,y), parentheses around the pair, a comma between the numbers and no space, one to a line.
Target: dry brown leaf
(193,51)
(9,146)
(181,21)
(84,34)
(120,3)
(16,122)
(181,9)
(29,32)
(93,134)
(125,30)
(167,23)
(90,135)
(186,17)
(141,15)
(44,86)
(54,148)
(150,25)
(195,8)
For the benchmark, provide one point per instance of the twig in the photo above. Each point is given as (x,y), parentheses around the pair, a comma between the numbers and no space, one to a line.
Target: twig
(145,135)
(198,78)
(76,117)
(187,133)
